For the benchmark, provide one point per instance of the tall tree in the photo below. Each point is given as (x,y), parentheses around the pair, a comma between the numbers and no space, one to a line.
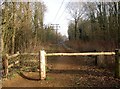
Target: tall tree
(76,10)
(118,24)
(39,10)
(14,27)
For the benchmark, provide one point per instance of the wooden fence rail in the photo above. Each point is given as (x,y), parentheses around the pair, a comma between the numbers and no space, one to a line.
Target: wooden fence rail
(81,54)
(8,57)
(16,62)
(42,62)
(116,53)
(31,54)
(6,62)
(12,56)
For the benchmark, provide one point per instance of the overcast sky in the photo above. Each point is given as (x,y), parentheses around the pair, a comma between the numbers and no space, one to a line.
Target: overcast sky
(53,16)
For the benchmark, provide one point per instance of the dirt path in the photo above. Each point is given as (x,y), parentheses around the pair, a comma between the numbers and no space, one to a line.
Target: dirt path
(67,72)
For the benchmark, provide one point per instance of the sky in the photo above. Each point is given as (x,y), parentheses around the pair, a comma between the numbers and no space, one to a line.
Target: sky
(57,15)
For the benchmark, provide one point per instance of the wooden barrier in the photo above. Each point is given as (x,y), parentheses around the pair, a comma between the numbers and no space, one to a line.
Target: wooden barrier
(42,62)
(96,59)
(32,54)
(42,55)
(6,59)
(42,65)
(5,65)
(9,66)
(12,56)
(117,57)
(117,63)
(81,54)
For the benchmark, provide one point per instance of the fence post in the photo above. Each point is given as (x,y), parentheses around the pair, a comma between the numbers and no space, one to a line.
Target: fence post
(117,63)
(42,65)
(6,64)
(96,59)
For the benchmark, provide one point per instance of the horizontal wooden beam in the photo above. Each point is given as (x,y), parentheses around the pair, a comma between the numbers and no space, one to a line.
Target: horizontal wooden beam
(81,54)
(12,56)
(30,60)
(32,54)
(13,64)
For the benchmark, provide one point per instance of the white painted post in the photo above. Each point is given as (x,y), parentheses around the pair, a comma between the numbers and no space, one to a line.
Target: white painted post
(42,71)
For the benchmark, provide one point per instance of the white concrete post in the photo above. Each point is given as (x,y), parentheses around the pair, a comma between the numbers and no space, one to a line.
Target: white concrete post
(42,66)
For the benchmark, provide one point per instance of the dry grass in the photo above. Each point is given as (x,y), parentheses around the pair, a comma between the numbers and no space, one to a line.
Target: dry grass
(91,45)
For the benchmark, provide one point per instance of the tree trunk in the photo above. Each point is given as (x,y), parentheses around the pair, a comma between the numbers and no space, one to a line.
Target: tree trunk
(75,29)
(2,41)
(14,30)
(119,24)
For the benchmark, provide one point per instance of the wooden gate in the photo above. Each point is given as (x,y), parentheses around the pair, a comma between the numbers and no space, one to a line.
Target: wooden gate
(43,55)
(42,60)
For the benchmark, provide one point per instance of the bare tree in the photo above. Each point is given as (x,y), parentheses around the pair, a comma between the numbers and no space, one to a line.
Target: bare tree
(90,13)
(76,10)
(118,24)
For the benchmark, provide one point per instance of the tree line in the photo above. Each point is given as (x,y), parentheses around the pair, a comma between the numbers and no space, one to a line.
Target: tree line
(22,25)
(95,21)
